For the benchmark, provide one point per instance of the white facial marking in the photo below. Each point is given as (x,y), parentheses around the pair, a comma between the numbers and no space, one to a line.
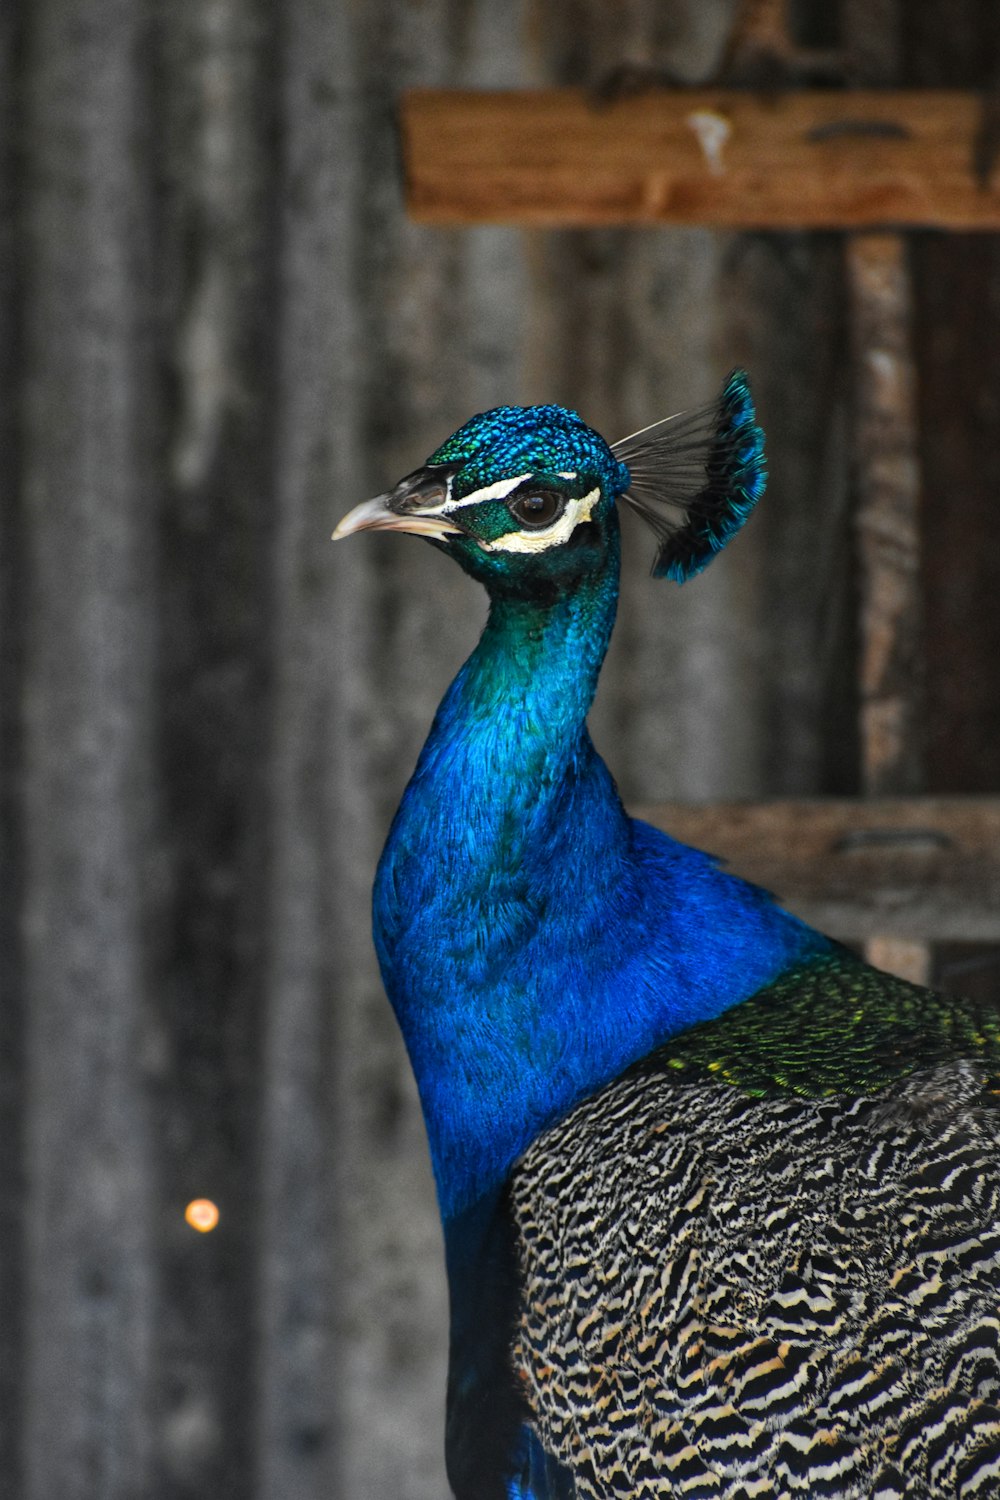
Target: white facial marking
(553,536)
(498,491)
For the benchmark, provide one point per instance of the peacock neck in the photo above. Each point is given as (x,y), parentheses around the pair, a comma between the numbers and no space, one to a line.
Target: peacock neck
(514,719)
(535,941)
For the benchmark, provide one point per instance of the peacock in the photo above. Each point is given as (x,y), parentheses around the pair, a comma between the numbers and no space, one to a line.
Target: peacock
(721,1203)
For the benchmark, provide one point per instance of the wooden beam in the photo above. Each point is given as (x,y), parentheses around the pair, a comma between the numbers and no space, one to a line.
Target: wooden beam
(887,516)
(724,158)
(890,659)
(910,867)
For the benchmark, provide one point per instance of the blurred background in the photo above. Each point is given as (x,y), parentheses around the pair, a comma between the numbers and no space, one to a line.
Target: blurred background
(218,332)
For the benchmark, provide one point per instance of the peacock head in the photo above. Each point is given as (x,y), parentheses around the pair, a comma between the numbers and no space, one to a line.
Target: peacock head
(524,496)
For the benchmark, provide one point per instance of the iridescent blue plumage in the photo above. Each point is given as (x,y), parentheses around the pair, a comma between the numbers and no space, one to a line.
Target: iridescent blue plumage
(541,885)
(544,439)
(539,947)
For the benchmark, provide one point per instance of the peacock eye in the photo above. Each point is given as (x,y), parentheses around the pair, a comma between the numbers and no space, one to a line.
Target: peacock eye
(538,508)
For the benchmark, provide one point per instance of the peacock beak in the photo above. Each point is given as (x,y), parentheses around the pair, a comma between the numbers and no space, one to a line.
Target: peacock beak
(375,515)
(417,504)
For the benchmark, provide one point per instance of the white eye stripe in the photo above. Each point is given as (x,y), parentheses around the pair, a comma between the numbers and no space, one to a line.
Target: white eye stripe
(498,491)
(553,536)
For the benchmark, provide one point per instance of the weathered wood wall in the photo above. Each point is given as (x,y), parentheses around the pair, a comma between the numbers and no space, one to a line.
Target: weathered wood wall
(217,332)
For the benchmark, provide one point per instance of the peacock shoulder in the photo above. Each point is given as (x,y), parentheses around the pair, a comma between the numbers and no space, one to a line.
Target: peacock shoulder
(833,1025)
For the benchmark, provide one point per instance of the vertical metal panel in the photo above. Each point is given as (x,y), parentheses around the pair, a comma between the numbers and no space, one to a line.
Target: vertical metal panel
(12,1299)
(300,1378)
(90,488)
(214,154)
(802,544)
(682,668)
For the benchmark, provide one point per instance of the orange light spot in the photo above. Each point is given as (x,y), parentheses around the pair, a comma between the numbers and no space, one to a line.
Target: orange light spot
(202,1215)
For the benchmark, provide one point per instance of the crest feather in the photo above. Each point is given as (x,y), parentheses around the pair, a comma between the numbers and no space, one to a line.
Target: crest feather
(695,477)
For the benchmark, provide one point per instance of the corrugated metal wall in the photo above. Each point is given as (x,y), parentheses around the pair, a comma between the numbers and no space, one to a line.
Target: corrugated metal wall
(217,332)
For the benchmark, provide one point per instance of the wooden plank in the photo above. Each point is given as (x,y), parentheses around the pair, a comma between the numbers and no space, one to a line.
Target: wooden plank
(903,868)
(890,667)
(726,158)
(887,518)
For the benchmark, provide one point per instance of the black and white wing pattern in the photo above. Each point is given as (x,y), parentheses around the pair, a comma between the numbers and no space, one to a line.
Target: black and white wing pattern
(739,1296)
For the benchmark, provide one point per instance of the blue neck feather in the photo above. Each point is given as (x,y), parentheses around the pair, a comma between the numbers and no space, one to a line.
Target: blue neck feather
(534,940)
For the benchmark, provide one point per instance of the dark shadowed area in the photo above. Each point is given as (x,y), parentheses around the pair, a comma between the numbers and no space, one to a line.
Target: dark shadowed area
(218,332)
